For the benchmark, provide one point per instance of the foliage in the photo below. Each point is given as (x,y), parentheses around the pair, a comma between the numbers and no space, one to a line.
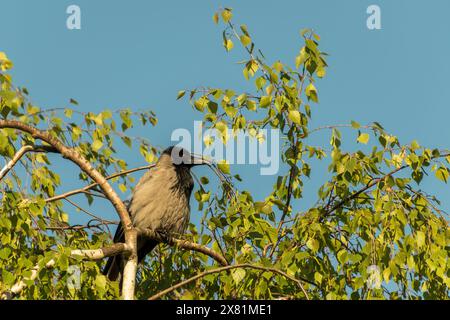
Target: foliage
(34,229)
(371,234)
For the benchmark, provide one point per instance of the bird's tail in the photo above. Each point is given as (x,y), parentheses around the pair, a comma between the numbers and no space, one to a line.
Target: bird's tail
(112,268)
(145,246)
(114,265)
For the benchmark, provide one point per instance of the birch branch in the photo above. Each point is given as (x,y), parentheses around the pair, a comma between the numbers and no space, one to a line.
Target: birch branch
(95,254)
(130,268)
(222,269)
(19,286)
(98,254)
(184,244)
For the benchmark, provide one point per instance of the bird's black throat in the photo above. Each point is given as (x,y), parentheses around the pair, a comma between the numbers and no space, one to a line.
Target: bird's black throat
(185,183)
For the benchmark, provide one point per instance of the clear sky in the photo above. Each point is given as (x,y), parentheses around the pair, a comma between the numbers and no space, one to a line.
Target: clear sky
(139,53)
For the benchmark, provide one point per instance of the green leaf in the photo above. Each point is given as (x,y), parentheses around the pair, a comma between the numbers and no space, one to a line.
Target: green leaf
(321,71)
(68,113)
(4,253)
(212,107)
(342,256)
(216,18)
(251,105)
(420,238)
(311,93)
(313,244)
(301,58)
(100,283)
(226,15)
(205,197)
(415,145)
(294,116)
(238,275)
(7,277)
(265,101)
(355,125)
(65,217)
(228,44)
(204,180)
(201,103)
(181,94)
(3,56)
(245,40)
(224,167)
(363,138)
(123,188)
(442,174)
(260,82)
(318,277)
(96,145)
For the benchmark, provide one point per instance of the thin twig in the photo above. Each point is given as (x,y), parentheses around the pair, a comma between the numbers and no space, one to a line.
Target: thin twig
(367,187)
(82,227)
(285,211)
(19,154)
(93,185)
(372,127)
(371,184)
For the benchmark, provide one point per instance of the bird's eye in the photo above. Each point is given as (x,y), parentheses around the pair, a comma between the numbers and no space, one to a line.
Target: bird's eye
(179,156)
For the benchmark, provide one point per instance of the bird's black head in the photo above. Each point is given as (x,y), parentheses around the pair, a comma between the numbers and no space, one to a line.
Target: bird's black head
(181,157)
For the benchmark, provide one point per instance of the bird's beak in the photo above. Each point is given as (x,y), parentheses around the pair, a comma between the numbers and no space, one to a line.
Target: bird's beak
(198,160)
(201,160)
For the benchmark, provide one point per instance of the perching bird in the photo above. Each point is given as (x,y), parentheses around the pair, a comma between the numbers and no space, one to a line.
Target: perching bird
(160,202)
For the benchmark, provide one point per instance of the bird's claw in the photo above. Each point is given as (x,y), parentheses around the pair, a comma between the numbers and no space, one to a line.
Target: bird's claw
(163,235)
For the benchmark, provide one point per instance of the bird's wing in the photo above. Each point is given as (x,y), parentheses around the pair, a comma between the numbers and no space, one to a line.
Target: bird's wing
(119,236)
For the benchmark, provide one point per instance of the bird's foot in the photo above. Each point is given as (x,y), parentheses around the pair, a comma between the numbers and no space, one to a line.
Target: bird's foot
(164,235)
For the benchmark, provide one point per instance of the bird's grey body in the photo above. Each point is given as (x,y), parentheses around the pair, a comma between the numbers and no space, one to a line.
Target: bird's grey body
(160,202)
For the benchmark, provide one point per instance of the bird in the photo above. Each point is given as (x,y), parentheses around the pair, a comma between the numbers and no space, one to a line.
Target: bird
(160,202)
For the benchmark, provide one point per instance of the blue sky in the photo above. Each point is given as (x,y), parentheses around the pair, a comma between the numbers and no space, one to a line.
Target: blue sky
(139,53)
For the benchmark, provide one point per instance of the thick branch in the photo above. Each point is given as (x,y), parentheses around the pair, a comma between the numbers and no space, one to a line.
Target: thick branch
(130,268)
(218,270)
(185,244)
(19,286)
(96,254)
